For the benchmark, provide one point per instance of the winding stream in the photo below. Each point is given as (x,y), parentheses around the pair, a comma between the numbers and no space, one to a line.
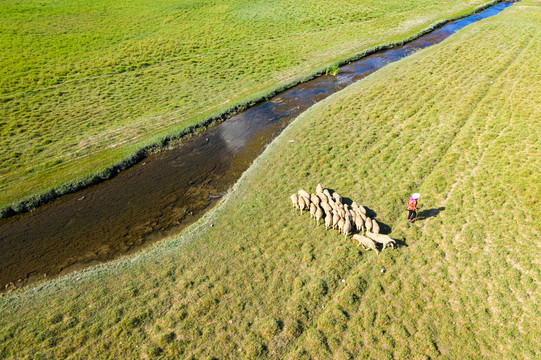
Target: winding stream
(166,192)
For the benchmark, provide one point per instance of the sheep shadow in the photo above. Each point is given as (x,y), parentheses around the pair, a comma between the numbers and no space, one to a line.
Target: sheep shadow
(347,200)
(386,230)
(372,214)
(425,214)
(400,243)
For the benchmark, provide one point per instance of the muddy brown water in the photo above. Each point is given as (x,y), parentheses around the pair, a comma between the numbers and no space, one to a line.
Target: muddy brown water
(167,191)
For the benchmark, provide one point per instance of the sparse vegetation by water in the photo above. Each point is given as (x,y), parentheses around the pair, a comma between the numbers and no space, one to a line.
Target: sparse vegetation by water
(333,70)
(457,122)
(85,85)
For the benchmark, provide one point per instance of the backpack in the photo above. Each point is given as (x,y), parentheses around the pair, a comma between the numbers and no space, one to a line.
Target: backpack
(412,205)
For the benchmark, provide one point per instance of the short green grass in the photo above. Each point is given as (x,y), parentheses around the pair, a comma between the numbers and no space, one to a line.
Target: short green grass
(458,122)
(84,84)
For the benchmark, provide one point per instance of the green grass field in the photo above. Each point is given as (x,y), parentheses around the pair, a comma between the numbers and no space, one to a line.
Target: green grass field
(457,122)
(84,84)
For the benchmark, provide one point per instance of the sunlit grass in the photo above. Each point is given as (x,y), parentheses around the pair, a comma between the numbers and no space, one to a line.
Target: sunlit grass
(84,84)
(457,122)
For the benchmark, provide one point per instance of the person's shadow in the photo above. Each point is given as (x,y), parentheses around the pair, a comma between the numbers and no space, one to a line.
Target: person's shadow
(425,214)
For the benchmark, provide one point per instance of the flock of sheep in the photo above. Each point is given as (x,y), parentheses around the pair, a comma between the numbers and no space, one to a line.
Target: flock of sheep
(346,218)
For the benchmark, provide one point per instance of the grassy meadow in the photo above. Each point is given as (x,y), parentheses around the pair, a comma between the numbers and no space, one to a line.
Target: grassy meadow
(85,84)
(457,122)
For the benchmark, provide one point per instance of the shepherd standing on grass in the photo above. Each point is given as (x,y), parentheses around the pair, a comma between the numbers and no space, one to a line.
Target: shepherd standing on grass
(412,207)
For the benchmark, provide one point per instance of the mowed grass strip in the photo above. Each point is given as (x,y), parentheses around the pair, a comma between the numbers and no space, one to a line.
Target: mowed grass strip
(457,122)
(84,84)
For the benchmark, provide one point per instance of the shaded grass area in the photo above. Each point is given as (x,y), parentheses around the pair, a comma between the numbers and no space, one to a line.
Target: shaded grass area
(457,122)
(88,84)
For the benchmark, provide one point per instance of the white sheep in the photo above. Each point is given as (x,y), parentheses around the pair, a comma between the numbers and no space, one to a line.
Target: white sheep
(382,239)
(337,197)
(375,226)
(328,220)
(305,195)
(335,219)
(362,209)
(327,193)
(319,189)
(322,198)
(326,206)
(314,199)
(332,203)
(302,203)
(347,228)
(341,223)
(368,224)
(295,200)
(313,209)
(319,215)
(366,243)
(359,223)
